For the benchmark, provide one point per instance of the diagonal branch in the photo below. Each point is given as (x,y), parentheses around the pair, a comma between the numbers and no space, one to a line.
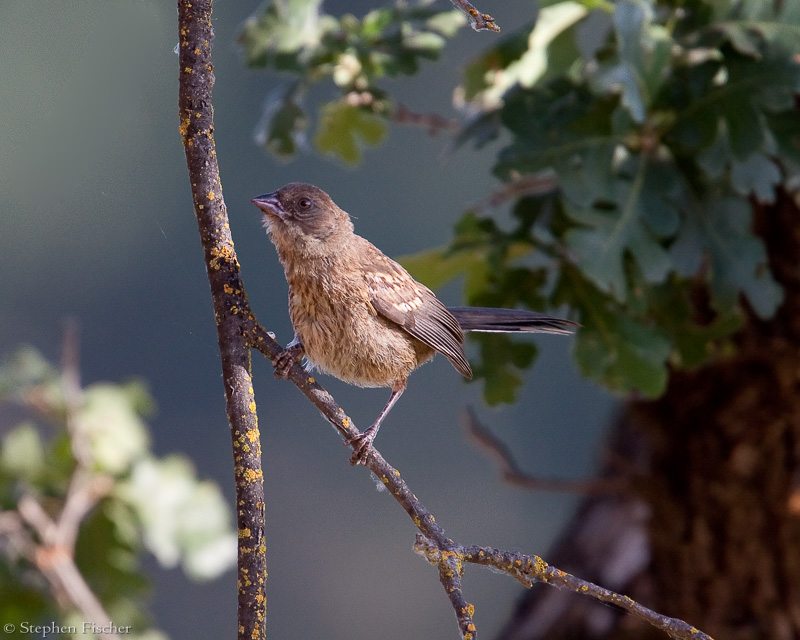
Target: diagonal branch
(513,475)
(529,569)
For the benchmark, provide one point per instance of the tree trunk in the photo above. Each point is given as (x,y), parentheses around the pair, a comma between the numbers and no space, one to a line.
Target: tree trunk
(716,499)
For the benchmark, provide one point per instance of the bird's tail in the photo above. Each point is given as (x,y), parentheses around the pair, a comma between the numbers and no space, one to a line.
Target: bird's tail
(509,320)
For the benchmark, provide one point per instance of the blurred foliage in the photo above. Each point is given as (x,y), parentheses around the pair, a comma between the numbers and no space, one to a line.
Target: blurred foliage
(659,124)
(295,36)
(52,444)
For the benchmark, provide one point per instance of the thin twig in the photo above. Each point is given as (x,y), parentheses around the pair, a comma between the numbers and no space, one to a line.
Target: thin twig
(433,123)
(450,572)
(86,486)
(512,474)
(84,492)
(195,39)
(73,396)
(539,184)
(479,21)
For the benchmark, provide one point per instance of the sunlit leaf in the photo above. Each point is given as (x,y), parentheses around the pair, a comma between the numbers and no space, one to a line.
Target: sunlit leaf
(525,56)
(447,22)
(436,267)
(344,129)
(184,519)
(285,26)
(110,419)
(22,452)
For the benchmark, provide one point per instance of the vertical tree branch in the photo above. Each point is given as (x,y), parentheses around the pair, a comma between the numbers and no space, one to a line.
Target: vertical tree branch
(230,305)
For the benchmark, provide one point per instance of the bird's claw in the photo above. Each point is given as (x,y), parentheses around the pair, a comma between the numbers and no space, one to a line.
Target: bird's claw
(362,446)
(282,363)
(285,360)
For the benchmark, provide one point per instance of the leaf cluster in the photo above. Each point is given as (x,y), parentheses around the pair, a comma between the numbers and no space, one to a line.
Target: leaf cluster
(355,53)
(153,504)
(660,129)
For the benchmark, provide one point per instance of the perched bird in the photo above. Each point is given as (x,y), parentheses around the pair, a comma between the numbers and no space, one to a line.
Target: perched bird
(357,314)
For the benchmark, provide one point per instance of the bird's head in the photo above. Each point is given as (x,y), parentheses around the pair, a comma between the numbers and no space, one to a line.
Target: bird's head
(302,218)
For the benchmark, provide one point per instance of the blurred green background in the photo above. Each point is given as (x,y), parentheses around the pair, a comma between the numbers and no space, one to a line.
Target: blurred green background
(97,225)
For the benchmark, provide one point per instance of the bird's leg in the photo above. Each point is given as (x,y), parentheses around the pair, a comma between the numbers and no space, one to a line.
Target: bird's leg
(285,359)
(363,441)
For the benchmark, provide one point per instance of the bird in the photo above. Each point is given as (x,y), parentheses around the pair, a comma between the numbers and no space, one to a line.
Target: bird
(357,314)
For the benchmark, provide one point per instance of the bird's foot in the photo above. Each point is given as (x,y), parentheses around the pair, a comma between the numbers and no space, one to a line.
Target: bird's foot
(362,446)
(284,361)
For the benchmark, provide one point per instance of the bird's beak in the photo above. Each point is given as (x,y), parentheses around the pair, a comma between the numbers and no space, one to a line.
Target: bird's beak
(270,204)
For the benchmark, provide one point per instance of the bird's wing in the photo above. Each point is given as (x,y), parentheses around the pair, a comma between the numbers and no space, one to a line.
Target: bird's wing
(396,296)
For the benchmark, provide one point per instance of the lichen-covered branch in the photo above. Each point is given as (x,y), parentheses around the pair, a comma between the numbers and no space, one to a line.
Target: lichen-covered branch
(196,36)
(479,21)
(529,569)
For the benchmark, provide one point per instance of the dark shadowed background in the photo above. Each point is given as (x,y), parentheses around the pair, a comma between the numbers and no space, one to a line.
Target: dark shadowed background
(97,224)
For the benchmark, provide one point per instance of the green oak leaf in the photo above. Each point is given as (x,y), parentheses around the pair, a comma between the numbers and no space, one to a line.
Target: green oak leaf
(698,338)
(612,347)
(343,129)
(758,175)
(288,121)
(22,453)
(623,225)
(499,366)
(722,231)
(785,128)
(555,127)
(732,93)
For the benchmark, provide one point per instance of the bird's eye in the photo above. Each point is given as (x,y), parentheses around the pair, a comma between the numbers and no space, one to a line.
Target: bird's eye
(304,203)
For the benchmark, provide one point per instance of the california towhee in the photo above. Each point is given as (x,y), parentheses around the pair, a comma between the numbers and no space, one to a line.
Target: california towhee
(360,316)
